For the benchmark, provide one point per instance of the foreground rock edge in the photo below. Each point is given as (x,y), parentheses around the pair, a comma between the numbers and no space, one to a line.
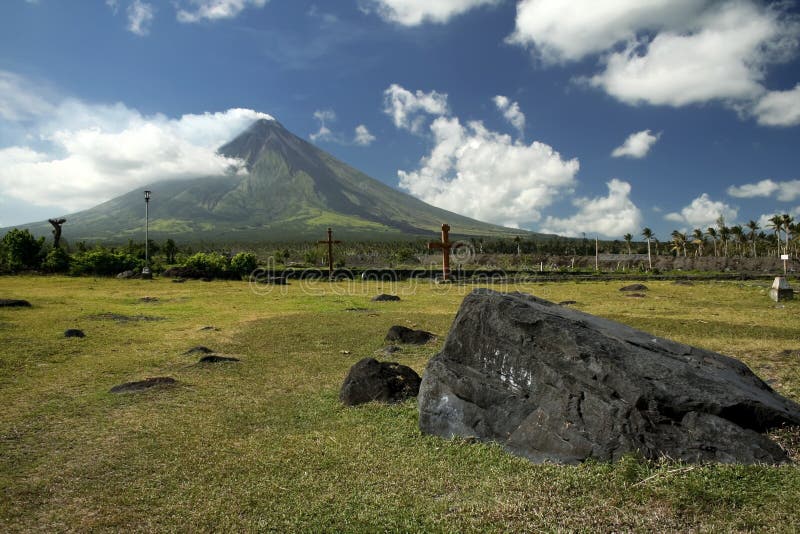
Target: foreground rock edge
(554,384)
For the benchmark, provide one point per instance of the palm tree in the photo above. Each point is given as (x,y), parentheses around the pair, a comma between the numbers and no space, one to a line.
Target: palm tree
(787,228)
(698,240)
(738,233)
(628,238)
(678,242)
(712,233)
(776,223)
(753,226)
(724,236)
(648,234)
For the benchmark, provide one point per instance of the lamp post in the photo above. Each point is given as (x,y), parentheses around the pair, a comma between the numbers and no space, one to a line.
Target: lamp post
(146,271)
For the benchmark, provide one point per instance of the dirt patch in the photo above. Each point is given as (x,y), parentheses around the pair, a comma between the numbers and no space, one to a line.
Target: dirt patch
(142,385)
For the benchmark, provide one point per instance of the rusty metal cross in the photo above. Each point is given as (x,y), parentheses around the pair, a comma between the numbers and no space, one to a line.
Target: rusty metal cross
(446,246)
(330,242)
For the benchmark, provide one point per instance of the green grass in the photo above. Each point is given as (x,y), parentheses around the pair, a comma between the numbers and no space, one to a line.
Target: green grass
(265,445)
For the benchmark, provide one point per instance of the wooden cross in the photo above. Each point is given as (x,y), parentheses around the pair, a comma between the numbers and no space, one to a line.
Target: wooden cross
(330,242)
(445,245)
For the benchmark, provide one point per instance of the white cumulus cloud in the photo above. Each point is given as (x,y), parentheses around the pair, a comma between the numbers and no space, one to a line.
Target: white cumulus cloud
(779,108)
(488,176)
(324,133)
(668,52)
(416,12)
(786,191)
(73,154)
(408,110)
(637,145)
(363,137)
(703,212)
(569,30)
(140,16)
(511,112)
(19,99)
(213,10)
(612,216)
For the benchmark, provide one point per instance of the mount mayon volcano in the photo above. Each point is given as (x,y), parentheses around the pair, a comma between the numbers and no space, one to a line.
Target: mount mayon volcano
(292,191)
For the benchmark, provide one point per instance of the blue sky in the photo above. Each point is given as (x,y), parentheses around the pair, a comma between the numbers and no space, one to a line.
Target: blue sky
(565,116)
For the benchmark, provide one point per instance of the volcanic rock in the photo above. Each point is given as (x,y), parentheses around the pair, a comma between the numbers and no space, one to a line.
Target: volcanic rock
(371,380)
(554,384)
(74,332)
(142,385)
(403,334)
(383,297)
(199,349)
(14,303)
(214,358)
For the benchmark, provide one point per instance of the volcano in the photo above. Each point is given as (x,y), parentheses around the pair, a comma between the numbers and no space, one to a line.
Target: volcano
(292,191)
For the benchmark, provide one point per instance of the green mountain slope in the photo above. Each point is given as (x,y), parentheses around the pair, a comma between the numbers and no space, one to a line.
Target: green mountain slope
(293,191)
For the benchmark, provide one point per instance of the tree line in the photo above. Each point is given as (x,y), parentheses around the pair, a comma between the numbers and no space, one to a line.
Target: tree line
(22,251)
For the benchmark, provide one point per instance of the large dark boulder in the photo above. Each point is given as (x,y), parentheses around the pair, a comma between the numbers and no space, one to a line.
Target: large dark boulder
(555,384)
(371,380)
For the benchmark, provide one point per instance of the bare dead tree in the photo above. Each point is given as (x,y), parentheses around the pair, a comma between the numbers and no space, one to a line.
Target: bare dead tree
(56,230)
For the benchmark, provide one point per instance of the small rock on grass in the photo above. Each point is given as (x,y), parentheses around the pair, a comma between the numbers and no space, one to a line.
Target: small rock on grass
(199,349)
(214,358)
(142,385)
(404,334)
(14,303)
(74,332)
(383,297)
(634,287)
(208,328)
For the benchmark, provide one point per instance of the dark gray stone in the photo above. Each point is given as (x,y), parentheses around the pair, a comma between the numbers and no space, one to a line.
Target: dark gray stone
(215,358)
(74,332)
(403,334)
(199,349)
(554,384)
(634,287)
(383,297)
(141,385)
(14,303)
(126,274)
(371,380)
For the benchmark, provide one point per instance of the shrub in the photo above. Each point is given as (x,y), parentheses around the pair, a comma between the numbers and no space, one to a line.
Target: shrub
(211,263)
(104,262)
(56,261)
(244,263)
(21,250)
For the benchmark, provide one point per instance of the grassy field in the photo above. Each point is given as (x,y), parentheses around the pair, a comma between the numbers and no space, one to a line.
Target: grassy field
(264,444)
